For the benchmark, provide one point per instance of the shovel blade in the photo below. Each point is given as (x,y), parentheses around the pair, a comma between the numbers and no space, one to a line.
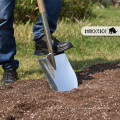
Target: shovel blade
(61,79)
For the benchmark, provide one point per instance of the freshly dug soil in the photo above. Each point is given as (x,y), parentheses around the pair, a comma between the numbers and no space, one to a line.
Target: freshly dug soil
(96,98)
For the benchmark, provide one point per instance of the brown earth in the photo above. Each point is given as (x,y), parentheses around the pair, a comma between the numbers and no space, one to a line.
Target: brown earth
(96,98)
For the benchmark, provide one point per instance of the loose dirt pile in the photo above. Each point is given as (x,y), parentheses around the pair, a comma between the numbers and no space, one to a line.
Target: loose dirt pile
(96,98)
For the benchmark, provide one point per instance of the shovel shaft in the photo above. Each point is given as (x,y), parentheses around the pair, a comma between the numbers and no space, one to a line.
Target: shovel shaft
(43,14)
(47,32)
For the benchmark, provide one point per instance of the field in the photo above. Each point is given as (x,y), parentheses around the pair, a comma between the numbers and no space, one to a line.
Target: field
(87,51)
(95,61)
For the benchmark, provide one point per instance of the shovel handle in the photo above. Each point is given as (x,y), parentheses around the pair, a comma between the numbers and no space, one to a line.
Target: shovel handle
(41,6)
(46,28)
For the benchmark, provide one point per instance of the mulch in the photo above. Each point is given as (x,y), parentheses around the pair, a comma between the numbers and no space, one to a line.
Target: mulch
(96,98)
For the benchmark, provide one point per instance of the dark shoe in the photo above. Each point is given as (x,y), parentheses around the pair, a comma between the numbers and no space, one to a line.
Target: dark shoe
(58,47)
(10,76)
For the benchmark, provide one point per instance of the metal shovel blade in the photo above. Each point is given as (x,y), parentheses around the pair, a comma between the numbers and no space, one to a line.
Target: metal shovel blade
(61,79)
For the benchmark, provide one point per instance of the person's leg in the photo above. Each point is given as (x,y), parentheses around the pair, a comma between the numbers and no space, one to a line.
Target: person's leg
(53,8)
(7,40)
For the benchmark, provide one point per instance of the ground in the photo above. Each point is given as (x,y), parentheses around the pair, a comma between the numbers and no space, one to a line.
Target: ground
(96,98)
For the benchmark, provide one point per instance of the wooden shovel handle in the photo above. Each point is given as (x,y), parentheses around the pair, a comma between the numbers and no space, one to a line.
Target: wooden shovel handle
(41,6)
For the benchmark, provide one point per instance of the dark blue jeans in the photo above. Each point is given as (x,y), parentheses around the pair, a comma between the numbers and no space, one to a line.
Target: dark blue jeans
(7,39)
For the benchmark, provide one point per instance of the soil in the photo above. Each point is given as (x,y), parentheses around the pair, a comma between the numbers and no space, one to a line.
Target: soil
(96,98)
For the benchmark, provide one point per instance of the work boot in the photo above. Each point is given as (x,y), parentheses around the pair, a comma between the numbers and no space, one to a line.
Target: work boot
(10,76)
(58,47)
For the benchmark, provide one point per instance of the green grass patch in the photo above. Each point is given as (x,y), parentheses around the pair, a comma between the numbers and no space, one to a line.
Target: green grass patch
(87,51)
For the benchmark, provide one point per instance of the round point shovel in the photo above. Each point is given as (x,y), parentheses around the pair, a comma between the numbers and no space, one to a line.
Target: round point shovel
(56,68)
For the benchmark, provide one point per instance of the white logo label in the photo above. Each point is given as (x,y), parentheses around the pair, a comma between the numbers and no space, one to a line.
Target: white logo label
(100,31)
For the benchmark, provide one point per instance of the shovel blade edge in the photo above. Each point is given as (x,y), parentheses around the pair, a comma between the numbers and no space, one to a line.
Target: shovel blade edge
(61,79)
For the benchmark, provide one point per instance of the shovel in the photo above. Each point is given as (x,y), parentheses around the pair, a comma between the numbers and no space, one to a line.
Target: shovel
(56,68)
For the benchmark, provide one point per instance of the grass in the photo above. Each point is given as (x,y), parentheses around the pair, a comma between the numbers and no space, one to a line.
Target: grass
(88,50)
